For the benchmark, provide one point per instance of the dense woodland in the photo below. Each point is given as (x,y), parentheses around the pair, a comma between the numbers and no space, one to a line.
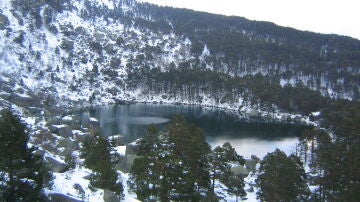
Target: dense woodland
(191,84)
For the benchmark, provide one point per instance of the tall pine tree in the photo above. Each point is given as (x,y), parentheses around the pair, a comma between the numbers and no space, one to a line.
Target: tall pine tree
(220,169)
(281,178)
(97,154)
(173,165)
(21,172)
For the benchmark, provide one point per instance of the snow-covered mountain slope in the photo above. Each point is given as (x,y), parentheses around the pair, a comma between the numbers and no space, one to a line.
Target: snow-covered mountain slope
(76,59)
(80,52)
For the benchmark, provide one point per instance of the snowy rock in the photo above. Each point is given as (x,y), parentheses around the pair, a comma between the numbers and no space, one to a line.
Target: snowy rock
(82,136)
(72,121)
(62,130)
(55,165)
(250,164)
(94,125)
(39,152)
(69,146)
(4,22)
(240,171)
(110,196)
(121,150)
(67,119)
(22,100)
(36,111)
(129,160)
(79,189)
(131,149)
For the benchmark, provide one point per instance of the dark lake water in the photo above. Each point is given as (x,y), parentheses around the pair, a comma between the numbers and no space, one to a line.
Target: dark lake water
(247,136)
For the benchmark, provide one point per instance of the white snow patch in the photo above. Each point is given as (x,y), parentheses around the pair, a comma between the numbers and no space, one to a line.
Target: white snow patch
(59,126)
(120,150)
(67,118)
(92,119)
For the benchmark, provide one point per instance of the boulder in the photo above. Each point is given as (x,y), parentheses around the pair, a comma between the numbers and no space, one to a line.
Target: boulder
(62,130)
(22,100)
(69,146)
(82,136)
(67,120)
(36,111)
(4,22)
(129,159)
(131,149)
(70,120)
(39,152)
(251,189)
(125,162)
(250,164)
(67,45)
(79,189)
(240,171)
(110,196)
(94,125)
(55,165)
(53,120)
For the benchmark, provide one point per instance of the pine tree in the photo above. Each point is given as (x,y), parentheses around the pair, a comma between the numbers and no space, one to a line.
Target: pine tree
(235,185)
(336,161)
(147,168)
(173,165)
(97,154)
(281,178)
(220,160)
(191,150)
(337,157)
(21,172)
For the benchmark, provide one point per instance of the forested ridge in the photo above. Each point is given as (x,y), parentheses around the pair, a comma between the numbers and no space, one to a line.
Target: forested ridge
(239,47)
(191,84)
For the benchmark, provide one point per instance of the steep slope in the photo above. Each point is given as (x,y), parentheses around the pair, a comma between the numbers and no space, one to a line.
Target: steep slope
(55,51)
(237,46)
(80,52)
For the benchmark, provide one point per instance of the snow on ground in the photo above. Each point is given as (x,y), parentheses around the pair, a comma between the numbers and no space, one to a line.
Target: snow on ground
(64,183)
(128,196)
(220,189)
(120,150)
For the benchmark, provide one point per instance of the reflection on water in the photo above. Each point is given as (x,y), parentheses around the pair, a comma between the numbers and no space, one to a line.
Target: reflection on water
(248,137)
(254,146)
(146,120)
